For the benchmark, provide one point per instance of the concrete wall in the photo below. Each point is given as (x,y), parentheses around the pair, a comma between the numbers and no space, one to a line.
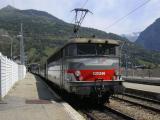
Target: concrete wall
(10,73)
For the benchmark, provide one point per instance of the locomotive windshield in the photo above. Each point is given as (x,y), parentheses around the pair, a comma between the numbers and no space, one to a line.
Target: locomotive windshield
(96,49)
(90,49)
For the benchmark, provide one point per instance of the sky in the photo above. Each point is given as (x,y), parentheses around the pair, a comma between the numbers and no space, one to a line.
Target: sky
(105,12)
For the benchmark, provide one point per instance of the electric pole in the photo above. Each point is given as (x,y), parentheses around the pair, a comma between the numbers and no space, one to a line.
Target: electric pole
(126,61)
(22,46)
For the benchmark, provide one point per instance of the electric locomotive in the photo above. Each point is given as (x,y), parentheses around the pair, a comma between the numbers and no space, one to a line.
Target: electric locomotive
(87,67)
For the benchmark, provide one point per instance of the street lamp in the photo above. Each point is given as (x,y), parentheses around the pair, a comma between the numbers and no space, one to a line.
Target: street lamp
(7,36)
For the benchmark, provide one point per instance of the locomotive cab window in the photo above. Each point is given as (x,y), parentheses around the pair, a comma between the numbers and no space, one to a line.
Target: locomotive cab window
(96,49)
(70,50)
(103,49)
(86,49)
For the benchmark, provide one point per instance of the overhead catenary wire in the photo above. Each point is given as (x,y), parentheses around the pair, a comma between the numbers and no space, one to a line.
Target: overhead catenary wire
(84,4)
(129,13)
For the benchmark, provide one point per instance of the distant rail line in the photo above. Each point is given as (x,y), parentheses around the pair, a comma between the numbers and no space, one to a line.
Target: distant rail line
(144,94)
(142,98)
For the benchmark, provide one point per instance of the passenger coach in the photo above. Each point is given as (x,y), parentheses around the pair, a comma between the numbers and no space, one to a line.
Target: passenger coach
(88,67)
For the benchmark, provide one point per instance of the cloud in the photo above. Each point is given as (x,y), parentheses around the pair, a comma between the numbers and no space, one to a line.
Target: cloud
(105,12)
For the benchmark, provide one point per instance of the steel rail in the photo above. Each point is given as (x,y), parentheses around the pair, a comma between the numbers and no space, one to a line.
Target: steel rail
(139,104)
(141,98)
(142,93)
(106,110)
(90,116)
(125,116)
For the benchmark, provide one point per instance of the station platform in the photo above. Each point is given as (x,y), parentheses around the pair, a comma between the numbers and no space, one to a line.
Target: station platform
(148,84)
(32,99)
(143,87)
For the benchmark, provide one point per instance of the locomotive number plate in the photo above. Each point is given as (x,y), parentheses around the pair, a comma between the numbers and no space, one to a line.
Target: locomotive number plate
(99,73)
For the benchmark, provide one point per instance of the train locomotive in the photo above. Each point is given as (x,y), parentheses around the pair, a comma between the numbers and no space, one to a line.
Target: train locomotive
(87,67)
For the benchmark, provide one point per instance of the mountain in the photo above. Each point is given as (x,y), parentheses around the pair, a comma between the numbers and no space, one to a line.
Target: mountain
(44,33)
(131,37)
(150,37)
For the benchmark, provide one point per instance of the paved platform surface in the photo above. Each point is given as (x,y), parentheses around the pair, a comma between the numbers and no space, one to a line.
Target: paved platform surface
(150,88)
(31,99)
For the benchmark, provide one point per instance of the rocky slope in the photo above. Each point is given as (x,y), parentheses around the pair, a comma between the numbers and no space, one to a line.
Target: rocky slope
(150,37)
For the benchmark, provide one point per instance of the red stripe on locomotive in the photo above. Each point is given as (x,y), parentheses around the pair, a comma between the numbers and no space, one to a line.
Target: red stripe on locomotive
(93,75)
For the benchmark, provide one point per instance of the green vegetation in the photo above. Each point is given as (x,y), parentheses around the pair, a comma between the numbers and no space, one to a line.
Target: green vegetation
(141,56)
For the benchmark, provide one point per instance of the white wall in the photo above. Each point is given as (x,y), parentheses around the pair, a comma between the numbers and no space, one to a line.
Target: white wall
(21,72)
(10,72)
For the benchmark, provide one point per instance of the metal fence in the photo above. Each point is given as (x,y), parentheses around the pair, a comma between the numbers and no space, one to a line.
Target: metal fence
(142,72)
(10,73)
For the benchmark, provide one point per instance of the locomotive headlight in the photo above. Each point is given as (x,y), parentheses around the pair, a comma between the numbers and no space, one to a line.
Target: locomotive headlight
(114,77)
(68,78)
(77,73)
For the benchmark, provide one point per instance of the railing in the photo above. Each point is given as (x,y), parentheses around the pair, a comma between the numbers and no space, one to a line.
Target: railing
(10,73)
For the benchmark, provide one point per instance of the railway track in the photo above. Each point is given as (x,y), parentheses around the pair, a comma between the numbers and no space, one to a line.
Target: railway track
(146,103)
(106,113)
(144,94)
(142,98)
(102,113)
